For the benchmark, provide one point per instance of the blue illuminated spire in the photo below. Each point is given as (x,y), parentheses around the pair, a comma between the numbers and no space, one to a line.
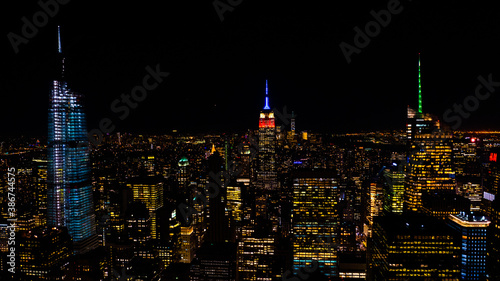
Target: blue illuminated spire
(59,39)
(59,50)
(267,99)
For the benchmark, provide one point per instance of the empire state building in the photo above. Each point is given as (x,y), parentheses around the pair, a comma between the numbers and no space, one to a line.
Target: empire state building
(266,173)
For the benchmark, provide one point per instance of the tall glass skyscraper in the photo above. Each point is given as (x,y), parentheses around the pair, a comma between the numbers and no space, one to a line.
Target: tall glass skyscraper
(315,221)
(472,229)
(430,168)
(70,202)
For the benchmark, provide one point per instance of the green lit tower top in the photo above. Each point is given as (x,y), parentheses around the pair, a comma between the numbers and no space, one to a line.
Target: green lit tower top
(419,88)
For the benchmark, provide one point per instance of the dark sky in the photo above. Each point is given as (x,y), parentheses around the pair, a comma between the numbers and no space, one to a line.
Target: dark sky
(218,69)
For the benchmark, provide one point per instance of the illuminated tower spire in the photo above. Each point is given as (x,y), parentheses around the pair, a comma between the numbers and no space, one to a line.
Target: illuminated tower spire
(59,39)
(266,106)
(59,50)
(419,87)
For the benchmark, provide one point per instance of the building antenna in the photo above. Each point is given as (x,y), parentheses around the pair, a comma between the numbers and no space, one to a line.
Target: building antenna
(266,106)
(59,39)
(419,87)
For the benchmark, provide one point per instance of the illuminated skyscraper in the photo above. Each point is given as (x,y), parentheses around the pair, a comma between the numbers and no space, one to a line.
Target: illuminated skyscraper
(394,190)
(266,191)
(183,172)
(491,207)
(188,244)
(374,208)
(472,228)
(465,150)
(149,190)
(491,185)
(417,121)
(315,221)
(413,248)
(234,202)
(430,157)
(256,254)
(430,168)
(40,182)
(256,251)
(70,202)
(266,173)
(493,247)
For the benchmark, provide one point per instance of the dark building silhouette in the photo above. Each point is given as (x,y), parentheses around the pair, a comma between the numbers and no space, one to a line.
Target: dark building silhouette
(218,226)
(214,261)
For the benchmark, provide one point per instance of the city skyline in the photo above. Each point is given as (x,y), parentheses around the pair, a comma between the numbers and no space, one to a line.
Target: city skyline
(307,71)
(242,141)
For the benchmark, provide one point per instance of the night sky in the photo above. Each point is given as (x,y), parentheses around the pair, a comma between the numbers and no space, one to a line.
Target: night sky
(218,69)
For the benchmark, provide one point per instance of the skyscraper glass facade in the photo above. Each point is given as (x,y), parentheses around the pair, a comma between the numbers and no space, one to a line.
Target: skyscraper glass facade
(70,201)
(315,221)
(472,228)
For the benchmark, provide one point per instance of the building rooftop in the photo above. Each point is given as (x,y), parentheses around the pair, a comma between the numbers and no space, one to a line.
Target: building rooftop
(470,219)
